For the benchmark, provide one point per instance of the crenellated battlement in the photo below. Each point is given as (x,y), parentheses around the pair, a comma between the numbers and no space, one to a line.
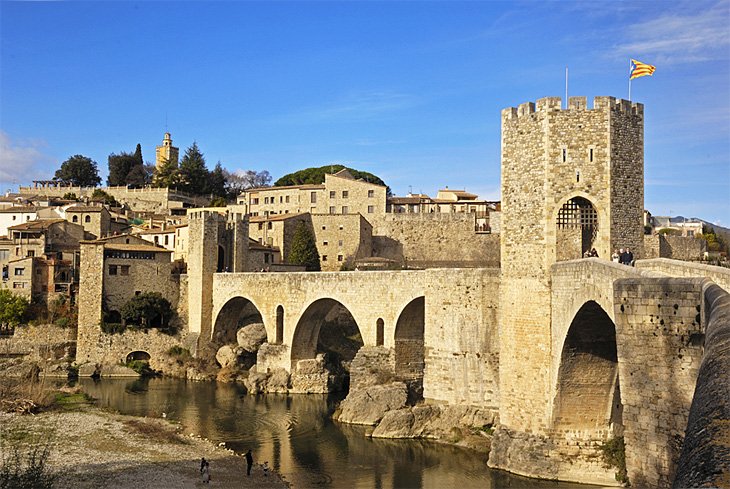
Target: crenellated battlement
(555,104)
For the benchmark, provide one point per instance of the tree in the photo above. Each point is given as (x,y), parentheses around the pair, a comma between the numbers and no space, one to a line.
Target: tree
(167,175)
(304,249)
(12,309)
(101,196)
(138,176)
(217,181)
(193,172)
(315,175)
(148,309)
(80,171)
(238,181)
(119,167)
(70,196)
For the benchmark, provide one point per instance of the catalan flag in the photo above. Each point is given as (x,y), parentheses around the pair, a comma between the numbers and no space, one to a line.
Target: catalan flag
(640,69)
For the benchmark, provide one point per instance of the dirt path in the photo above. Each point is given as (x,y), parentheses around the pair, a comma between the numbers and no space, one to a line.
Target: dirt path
(95,449)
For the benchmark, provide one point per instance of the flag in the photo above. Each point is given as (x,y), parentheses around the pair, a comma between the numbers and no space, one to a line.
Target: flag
(640,69)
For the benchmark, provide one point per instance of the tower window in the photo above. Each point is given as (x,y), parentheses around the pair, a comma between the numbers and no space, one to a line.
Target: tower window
(590,155)
(565,155)
(577,175)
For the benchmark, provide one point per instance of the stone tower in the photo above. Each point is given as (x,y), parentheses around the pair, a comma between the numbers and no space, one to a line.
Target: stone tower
(218,243)
(166,152)
(572,180)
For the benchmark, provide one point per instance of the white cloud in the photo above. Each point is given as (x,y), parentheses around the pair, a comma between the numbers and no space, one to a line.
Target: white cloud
(20,159)
(679,37)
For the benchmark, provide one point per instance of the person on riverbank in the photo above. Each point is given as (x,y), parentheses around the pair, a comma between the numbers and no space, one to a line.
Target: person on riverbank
(249,462)
(205,470)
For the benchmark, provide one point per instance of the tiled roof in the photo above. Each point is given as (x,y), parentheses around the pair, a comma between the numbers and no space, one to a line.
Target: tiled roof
(275,217)
(20,208)
(37,225)
(84,208)
(135,247)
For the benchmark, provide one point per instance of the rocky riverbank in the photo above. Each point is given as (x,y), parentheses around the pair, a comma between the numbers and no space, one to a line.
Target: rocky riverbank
(92,448)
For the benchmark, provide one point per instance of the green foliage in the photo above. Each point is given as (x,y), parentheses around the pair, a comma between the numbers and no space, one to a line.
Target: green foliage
(167,175)
(148,309)
(101,196)
(27,470)
(315,176)
(12,308)
(614,455)
(127,169)
(80,171)
(193,172)
(142,367)
(217,182)
(219,202)
(670,232)
(178,351)
(304,249)
(113,328)
(715,242)
(70,196)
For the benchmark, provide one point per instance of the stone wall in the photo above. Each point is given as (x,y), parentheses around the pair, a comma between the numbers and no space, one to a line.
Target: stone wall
(341,239)
(705,458)
(674,268)
(40,343)
(675,247)
(660,336)
(433,240)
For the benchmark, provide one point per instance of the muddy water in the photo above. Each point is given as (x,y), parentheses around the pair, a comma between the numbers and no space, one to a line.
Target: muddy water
(296,435)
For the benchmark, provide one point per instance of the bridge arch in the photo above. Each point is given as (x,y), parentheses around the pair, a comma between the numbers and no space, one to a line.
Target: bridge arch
(326,325)
(587,394)
(138,355)
(236,313)
(409,341)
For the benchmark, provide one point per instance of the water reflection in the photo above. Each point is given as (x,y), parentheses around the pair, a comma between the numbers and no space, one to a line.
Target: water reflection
(296,435)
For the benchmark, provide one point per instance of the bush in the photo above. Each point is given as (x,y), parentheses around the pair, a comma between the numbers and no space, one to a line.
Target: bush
(26,470)
(148,309)
(142,367)
(614,455)
(113,328)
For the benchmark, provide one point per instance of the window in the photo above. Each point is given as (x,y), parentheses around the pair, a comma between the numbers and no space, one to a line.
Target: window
(590,155)
(19,272)
(167,239)
(345,194)
(371,209)
(333,194)
(4,255)
(339,257)
(565,155)
(266,258)
(342,227)
(261,225)
(339,243)
(324,257)
(112,269)
(75,219)
(371,194)
(269,225)
(333,209)
(345,209)
(18,285)
(313,197)
(15,217)
(17,251)
(281,199)
(255,201)
(577,176)
(124,269)
(31,253)
(286,199)
(325,243)
(87,219)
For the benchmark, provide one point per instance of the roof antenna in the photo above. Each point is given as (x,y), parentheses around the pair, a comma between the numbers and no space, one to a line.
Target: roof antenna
(410,189)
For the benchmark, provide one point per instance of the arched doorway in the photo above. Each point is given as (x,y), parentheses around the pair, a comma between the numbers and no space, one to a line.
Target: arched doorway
(328,327)
(588,393)
(577,229)
(235,314)
(139,355)
(379,332)
(409,349)
(221,264)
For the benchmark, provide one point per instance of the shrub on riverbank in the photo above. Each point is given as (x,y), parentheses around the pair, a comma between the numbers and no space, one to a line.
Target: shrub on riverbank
(26,469)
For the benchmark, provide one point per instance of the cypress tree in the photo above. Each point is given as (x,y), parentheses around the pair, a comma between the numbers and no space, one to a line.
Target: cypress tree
(304,249)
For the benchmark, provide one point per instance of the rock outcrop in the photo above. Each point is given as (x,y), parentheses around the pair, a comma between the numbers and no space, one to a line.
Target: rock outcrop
(276,381)
(368,406)
(251,337)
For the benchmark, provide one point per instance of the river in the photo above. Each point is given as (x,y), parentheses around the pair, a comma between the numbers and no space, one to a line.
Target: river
(298,438)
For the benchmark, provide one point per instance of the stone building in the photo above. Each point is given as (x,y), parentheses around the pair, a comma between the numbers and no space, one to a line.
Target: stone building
(166,152)
(96,220)
(341,193)
(572,180)
(341,240)
(13,215)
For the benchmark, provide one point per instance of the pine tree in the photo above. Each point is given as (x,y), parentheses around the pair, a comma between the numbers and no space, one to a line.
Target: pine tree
(167,175)
(193,173)
(217,181)
(304,249)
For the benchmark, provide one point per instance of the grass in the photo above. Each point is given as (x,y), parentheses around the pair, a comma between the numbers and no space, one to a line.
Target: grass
(26,467)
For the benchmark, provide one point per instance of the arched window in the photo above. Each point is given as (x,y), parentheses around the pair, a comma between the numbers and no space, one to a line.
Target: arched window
(379,332)
(87,219)
(75,219)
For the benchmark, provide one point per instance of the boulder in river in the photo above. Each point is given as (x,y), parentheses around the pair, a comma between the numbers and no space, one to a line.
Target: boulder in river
(251,337)
(369,405)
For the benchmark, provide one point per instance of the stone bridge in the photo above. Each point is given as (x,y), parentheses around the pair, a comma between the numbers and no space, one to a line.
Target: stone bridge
(440,322)
(625,348)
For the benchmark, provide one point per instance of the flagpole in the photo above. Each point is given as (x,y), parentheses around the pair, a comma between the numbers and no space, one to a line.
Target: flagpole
(629,79)
(566,87)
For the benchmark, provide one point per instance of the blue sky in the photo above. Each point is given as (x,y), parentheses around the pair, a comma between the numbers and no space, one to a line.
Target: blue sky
(410,91)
